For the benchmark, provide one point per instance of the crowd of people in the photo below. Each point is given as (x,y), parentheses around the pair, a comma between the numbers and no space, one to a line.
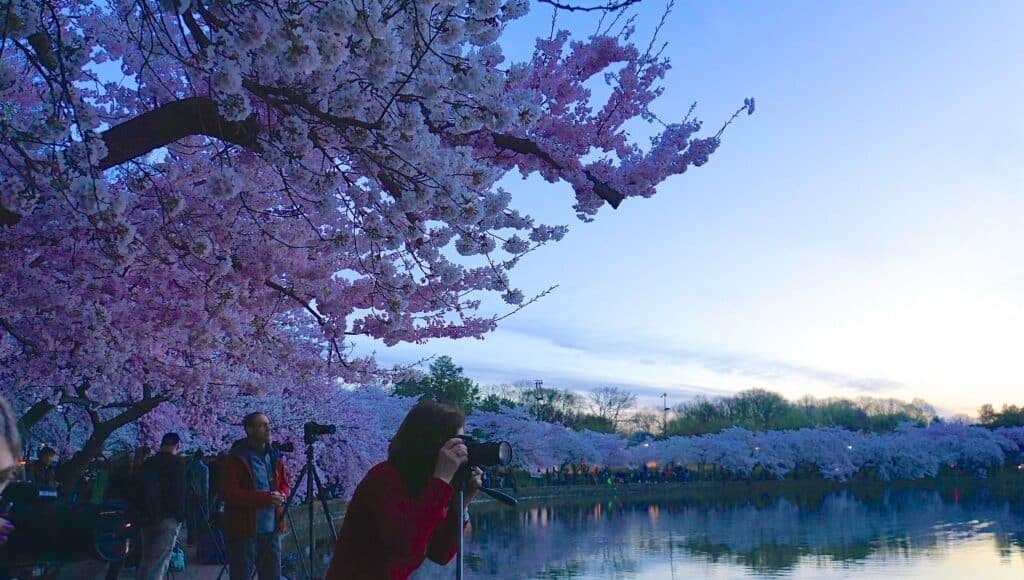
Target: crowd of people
(228,506)
(402,512)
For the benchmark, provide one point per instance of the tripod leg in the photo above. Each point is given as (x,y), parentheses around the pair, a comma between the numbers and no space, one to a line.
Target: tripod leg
(222,549)
(323,503)
(310,499)
(462,510)
(295,538)
(287,514)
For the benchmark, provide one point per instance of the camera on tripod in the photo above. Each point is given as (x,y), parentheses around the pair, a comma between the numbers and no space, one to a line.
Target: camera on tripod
(312,430)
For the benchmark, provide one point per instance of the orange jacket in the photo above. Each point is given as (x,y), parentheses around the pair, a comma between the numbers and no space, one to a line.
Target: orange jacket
(242,500)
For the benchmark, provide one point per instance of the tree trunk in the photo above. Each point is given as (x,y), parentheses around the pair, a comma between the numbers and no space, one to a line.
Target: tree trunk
(74,468)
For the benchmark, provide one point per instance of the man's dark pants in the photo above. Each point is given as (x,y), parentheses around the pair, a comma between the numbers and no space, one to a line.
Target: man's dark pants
(263,552)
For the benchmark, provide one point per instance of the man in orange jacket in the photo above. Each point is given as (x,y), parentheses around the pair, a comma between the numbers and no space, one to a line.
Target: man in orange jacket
(254,488)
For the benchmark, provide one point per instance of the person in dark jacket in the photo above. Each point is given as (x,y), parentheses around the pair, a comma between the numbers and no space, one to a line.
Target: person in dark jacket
(197,476)
(254,487)
(125,480)
(163,480)
(405,510)
(43,471)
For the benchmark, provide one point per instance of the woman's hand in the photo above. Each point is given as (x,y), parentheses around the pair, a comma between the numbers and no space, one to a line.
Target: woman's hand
(451,456)
(5,530)
(473,484)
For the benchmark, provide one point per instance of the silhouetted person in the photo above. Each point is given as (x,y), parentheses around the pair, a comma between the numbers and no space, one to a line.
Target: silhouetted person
(197,485)
(163,477)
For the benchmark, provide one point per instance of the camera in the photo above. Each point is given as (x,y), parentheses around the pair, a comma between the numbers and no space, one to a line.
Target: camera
(312,430)
(487,454)
(283,447)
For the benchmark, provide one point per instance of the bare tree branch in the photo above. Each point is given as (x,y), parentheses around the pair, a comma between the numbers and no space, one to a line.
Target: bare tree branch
(612,7)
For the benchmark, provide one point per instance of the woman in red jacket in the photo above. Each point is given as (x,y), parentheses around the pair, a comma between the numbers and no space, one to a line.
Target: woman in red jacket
(10,452)
(405,510)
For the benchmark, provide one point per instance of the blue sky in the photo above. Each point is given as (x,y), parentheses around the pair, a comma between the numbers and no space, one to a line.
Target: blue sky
(859,235)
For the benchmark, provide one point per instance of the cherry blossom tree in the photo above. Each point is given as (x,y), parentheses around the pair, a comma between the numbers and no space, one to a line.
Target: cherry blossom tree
(839,454)
(205,197)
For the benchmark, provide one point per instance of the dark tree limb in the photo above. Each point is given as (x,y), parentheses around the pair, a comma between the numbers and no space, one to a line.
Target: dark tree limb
(101,431)
(172,122)
(8,217)
(18,336)
(34,415)
(527,147)
(609,7)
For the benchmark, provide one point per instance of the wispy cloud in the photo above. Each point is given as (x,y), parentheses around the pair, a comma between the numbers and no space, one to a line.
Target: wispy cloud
(583,361)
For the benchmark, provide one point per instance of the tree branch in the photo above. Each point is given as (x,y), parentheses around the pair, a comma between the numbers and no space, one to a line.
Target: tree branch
(35,414)
(291,294)
(527,147)
(288,97)
(172,122)
(75,467)
(8,217)
(610,7)
(18,336)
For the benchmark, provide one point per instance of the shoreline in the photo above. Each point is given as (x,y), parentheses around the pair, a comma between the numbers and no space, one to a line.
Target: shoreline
(1007,484)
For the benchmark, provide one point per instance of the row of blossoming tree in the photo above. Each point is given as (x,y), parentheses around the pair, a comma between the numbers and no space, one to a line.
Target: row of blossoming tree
(367,418)
(832,453)
(836,454)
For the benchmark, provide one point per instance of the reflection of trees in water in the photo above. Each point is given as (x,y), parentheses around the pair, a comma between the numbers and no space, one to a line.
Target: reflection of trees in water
(767,533)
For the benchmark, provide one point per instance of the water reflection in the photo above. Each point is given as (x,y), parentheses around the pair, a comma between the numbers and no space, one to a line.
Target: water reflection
(882,533)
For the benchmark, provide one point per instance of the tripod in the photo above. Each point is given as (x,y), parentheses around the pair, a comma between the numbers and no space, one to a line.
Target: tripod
(312,479)
(461,478)
(216,538)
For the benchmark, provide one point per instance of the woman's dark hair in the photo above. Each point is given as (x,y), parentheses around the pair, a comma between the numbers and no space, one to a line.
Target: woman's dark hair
(413,451)
(9,429)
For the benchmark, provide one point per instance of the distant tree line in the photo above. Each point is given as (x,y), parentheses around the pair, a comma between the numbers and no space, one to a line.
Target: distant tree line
(605,410)
(761,410)
(614,409)
(1009,416)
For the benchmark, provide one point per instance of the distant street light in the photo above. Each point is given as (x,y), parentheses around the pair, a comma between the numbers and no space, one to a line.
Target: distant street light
(538,395)
(664,415)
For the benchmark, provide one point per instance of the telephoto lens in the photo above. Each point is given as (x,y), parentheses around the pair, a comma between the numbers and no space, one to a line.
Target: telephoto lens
(312,430)
(283,447)
(487,454)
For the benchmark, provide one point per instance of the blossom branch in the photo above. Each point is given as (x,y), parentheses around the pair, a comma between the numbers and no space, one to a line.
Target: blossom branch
(172,122)
(18,336)
(527,147)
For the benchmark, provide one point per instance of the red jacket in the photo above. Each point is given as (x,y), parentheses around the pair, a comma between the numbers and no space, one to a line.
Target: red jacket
(387,533)
(242,500)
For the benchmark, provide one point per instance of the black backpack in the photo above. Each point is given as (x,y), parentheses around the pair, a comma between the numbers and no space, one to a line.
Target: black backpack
(143,498)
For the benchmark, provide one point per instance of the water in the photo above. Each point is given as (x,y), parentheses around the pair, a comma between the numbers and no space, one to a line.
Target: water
(881,533)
